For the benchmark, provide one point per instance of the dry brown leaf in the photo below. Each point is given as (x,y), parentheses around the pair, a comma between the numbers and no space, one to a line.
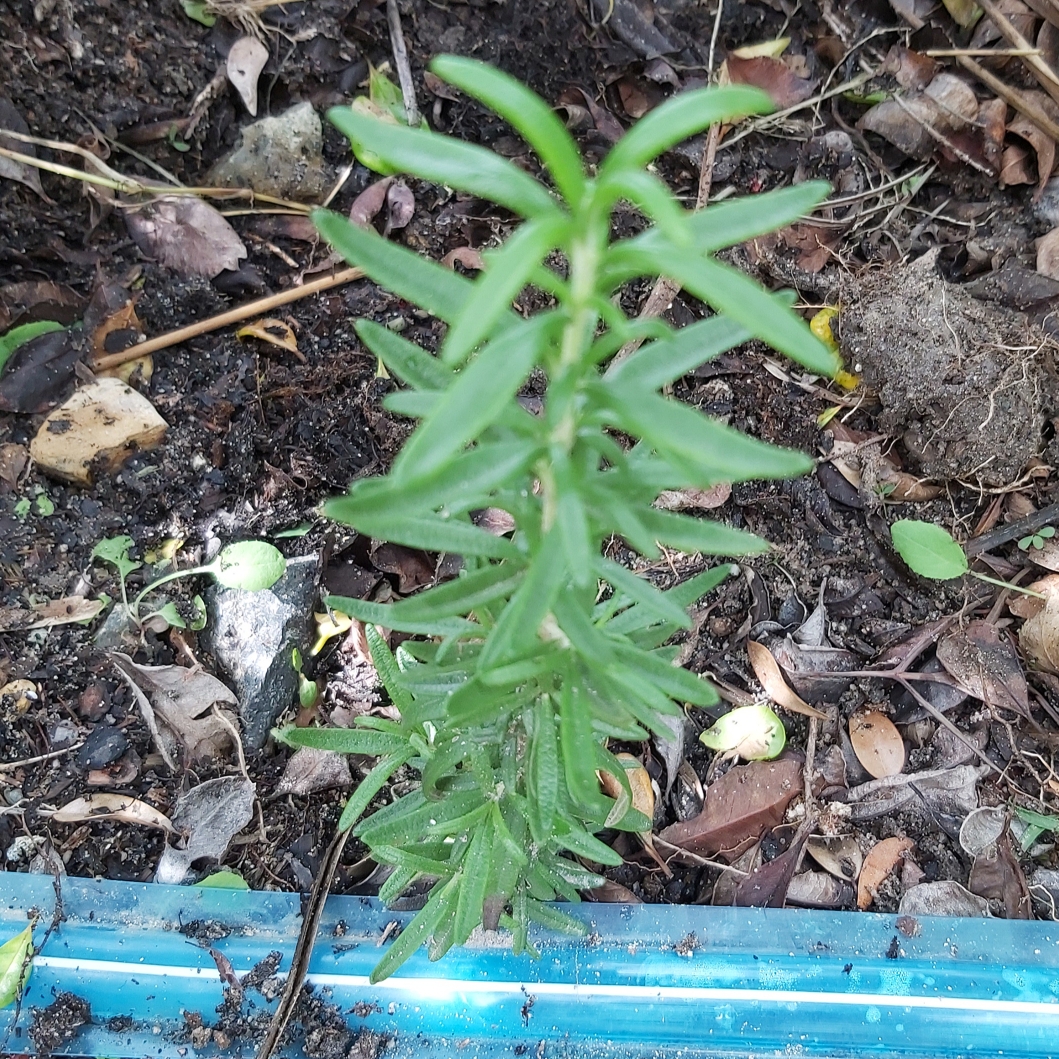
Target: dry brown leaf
(400,206)
(467,256)
(771,75)
(13,460)
(246,59)
(912,69)
(877,743)
(310,769)
(367,204)
(1048,254)
(882,858)
(177,705)
(1015,167)
(10,169)
(185,234)
(704,499)
(273,331)
(903,487)
(111,807)
(1039,635)
(964,12)
(839,855)
(770,676)
(54,612)
(986,666)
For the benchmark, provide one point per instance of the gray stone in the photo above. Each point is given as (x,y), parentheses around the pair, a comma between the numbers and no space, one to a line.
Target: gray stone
(252,635)
(279,156)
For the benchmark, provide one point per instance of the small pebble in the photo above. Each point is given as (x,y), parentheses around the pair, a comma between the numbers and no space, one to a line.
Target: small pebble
(103,746)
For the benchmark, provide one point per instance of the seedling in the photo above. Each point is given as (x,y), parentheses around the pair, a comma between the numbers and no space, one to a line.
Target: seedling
(249,565)
(930,551)
(542,649)
(1036,540)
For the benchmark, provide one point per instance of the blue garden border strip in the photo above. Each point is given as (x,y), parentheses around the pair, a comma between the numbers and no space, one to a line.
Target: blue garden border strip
(650,980)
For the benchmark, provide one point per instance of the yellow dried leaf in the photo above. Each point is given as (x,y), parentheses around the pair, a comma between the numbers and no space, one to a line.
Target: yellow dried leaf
(111,807)
(271,330)
(767,49)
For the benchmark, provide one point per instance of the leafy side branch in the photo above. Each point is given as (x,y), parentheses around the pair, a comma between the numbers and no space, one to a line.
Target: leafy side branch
(525,668)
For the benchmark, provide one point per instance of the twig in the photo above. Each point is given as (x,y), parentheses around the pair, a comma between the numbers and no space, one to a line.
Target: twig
(1012,531)
(1025,106)
(232,316)
(713,38)
(11,766)
(303,950)
(807,769)
(1044,74)
(982,53)
(400,58)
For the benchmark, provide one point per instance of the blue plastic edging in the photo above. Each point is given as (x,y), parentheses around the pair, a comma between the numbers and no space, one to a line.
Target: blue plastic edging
(649,980)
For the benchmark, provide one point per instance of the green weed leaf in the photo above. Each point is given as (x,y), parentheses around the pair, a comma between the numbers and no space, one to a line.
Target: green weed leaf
(249,565)
(928,549)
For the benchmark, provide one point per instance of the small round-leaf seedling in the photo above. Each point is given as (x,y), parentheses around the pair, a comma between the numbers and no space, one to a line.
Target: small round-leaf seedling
(249,565)
(1036,540)
(753,733)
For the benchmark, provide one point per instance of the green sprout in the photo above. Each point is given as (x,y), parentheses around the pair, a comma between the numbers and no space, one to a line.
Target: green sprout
(1037,539)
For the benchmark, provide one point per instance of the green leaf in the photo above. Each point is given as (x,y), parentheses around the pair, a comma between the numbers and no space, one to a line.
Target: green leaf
(678,118)
(928,549)
(372,783)
(577,840)
(386,666)
(753,733)
(682,596)
(674,681)
(652,197)
(690,535)
(406,820)
(717,452)
(398,882)
(407,274)
(525,111)
(572,521)
(340,740)
(473,401)
(543,775)
(410,363)
(199,11)
(440,905)
(432,533)
(382,614)
(463,594)
(15,962)
(14,338)
(578,750)
(507,271)
(249,565)
(657,606)
(728,223)
(224,880)
(115,550)
(402,858)
(443,160)
(476,867)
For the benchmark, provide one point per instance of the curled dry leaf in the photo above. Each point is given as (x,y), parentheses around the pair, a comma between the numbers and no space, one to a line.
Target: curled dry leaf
(111,807)
(185,234)
(275,332)
(881,860)
(985,666)
(770,676)
(466,256)
(817,889)
(877,743)
(367,204)
(246,59)
(1048,255)
(945,898)
(982,828)
(311,770)
(1039,635)
(23,172)
(773,76)
(838,855)
(705,499)
(177,705)
(400,206)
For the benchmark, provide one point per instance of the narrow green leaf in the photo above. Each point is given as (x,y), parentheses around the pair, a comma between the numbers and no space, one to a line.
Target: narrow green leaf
(402,858)
(444,160)
(555,919)
(382,614)
(690,535)
(656,605)
(577,840)
(339,740)
(683,596)
(440,904)
(674,681)
(404,821)
(652,197)
(716,451)
(372,783)
(572,520)
(477,397)
(507,271)
(437,289)
(525,111)
(398,882)
(474,703)
(736,220)
(476,867)
(386,666)
(463,594)
(578,750)
(432,533)
(412,404)
(412,364)
(543,774)
(928,549)
(223,880)
(678,118)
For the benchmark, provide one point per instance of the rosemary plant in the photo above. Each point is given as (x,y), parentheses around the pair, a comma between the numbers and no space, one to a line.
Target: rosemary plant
(526,665)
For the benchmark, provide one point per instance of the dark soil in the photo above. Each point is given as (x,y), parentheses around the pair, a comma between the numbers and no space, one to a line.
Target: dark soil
(258,438)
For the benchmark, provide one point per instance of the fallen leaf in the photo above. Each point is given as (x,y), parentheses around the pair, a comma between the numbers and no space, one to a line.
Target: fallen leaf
(772,49)
(13,460)
(985,666)
(945,898)
(1043,145)
(246,59)
(981,830)
(467,256)
(208,817)
(1039,635)
(881,860)
(839,855)
(177,706)
(400,206)
(367,204)
(311,770)
(10,169)
(1048,254)
(769,675)
(771,75)
(670,747)
(111,807)
(39,299)
(40,371)
(766,885)
(185,234)
(273,331)
(877,743)
(16,962)
(704,499)
(740,807)
(817,889)
(96,431)
(997,876)
(910,68)
(964,12)
(18,695)
(947,793)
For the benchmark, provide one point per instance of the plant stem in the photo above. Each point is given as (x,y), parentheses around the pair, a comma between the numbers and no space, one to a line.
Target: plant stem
(165,580)
(1007,584)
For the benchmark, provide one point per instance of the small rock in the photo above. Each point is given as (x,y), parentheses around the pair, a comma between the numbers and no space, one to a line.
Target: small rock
(252,634)
(92,704)
(97,430)
(279,156)
(103,746)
